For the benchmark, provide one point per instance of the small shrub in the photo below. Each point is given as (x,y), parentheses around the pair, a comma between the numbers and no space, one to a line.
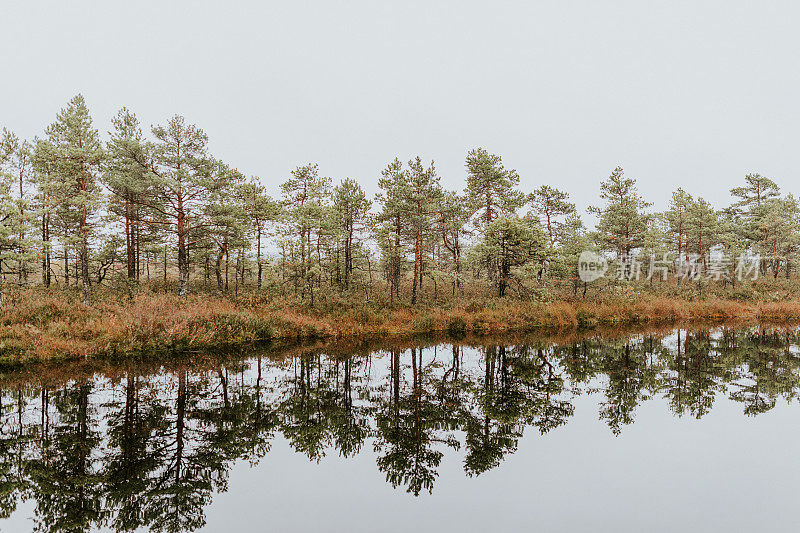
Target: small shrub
(424,324)
(457,326)
(743,294)
(479,327)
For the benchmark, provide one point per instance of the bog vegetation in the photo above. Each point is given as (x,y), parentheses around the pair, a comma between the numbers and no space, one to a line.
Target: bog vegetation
(114,220)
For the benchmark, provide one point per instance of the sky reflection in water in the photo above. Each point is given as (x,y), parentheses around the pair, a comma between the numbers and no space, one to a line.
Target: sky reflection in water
(685,429)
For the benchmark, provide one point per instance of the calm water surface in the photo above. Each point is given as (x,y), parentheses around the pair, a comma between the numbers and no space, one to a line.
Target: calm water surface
(697,430)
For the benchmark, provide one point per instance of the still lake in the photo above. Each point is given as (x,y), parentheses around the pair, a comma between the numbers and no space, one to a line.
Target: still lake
(694,429)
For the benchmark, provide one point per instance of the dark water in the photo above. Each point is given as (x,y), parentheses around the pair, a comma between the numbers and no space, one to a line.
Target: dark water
(681,430)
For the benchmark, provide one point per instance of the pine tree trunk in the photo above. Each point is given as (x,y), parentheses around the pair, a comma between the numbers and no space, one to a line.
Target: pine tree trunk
(218,268)
(66,266)
(85,266)
(129,238)
(416,267)
(183,266)
(46,252)
(227,263)
(258,258)
(348,262)
(84,231)
(137,255)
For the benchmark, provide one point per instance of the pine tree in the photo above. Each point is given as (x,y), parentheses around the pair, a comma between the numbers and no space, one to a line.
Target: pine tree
(261,209)
(305,199)
(350,210)
(551,205)
(18,166)
(453,218)
(574,240)
(755,192)
(13,222)
(225,221)
(491,188)
(181,179)
(389,232)
(656,247)
(45,200)
(676,218)
(753,201)
(734,243)
(509,242)
(623,221)
(766,220)
(778,224)
(126,177)
(703,229)
(78,157)
(421,198)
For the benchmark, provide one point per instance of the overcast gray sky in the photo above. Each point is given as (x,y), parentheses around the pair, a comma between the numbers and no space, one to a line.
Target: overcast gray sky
(692,94)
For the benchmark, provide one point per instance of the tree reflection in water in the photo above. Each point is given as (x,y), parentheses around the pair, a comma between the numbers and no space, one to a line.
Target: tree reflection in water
(133,448)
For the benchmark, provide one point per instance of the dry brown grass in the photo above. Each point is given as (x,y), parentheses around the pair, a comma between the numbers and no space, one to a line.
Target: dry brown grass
(40,325)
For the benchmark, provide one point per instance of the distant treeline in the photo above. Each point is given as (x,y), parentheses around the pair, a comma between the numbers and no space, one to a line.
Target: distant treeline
(77,209)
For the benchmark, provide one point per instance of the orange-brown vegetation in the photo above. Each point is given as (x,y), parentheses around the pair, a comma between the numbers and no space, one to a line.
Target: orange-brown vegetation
(45,325)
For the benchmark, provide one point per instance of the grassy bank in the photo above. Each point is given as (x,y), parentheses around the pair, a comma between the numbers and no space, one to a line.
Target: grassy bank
(39,325)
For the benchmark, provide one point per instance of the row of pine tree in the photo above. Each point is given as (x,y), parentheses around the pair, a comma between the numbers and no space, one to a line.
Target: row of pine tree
(80,210)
